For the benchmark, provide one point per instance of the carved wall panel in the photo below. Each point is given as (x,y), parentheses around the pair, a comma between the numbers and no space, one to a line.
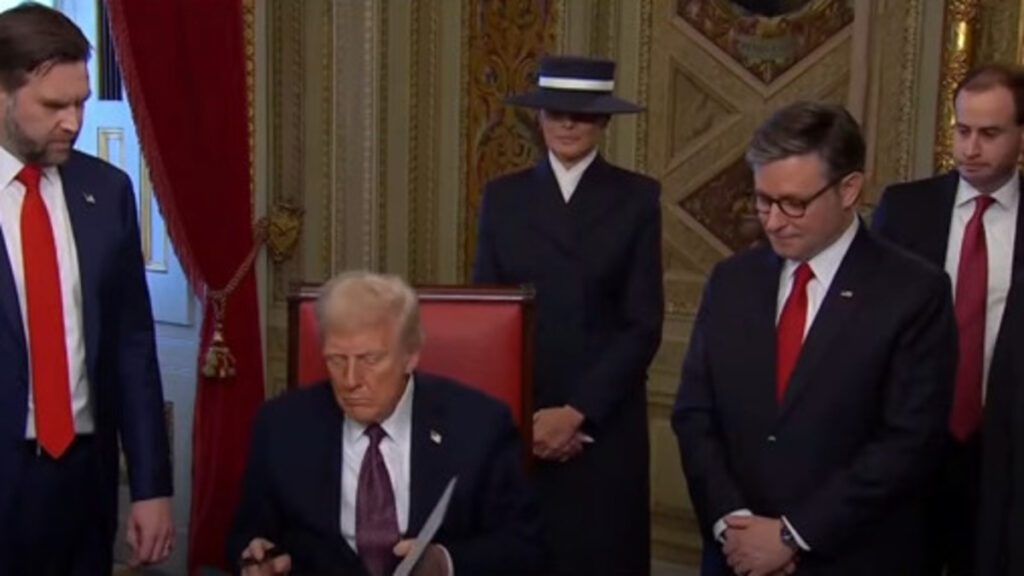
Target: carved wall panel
(300,108)
(504,43)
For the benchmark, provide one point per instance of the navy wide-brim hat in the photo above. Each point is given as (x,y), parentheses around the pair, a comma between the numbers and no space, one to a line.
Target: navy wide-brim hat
(574,84)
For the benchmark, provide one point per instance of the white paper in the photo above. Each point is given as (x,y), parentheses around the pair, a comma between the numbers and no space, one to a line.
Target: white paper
(428,531)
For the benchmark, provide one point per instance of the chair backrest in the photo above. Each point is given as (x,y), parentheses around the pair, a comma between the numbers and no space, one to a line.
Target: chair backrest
(482,337)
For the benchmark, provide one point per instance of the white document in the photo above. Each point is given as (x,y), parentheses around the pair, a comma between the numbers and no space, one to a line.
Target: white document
(428,531)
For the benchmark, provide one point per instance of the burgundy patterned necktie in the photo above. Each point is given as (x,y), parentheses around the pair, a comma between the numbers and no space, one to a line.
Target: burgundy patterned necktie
(971,289)
(376,515)
(790,331)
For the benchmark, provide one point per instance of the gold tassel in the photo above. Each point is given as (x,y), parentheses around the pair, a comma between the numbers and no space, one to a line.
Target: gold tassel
(219,362)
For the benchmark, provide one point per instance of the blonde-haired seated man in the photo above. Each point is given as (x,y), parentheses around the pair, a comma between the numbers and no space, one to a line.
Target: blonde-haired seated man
(342,474)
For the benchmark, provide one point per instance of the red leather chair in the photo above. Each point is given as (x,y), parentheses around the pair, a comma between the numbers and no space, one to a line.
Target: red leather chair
(482,337)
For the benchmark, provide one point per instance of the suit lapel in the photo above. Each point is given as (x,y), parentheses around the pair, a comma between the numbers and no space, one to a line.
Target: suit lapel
(428,472)
(935,219)
(844,295)
(550,212)
(83,224)
(595,195)
(762,310)
(9,299)
(1017,274)
(328,429)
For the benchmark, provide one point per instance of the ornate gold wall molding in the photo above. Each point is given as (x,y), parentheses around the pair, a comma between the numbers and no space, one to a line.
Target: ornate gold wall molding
(424,117)
(287,134)
(643,92)
(958,51)
(249,33)
(380,54)
(505,41)
(894,94)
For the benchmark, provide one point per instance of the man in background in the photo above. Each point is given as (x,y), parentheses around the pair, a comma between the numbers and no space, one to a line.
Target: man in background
(969,222)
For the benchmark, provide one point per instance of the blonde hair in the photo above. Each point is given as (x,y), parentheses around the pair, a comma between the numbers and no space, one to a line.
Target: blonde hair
(360,299)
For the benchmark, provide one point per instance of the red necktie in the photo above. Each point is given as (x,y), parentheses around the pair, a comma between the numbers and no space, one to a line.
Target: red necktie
(971,289)
(790,330)
(376,514)
(47,348)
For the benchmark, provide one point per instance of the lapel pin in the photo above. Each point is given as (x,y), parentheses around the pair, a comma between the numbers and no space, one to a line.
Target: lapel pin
(89,198)
(846,294)
(435,437)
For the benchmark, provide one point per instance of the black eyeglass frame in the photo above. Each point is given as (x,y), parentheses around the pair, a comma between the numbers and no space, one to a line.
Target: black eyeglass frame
(794,207)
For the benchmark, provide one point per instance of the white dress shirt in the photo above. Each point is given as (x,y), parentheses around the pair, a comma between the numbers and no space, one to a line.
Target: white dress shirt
(569,178)
(824,265)
(396,449)
(11,199)
(1000,231)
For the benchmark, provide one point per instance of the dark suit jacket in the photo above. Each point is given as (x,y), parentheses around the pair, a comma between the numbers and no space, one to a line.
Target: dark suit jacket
(291,493)
(120,355)
(863,420)
(596,266)
(917,216)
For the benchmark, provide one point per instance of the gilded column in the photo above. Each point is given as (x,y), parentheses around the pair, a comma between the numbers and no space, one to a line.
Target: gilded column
(958,49)
(504,43)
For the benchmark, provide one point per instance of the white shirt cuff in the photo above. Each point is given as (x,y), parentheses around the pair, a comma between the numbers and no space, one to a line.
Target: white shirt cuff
(720,527)
(796,536)
(448,559)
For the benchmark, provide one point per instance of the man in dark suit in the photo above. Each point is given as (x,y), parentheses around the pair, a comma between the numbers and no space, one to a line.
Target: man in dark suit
(77,354)
(968,221)
(816,387)
(339,472)
(587,235)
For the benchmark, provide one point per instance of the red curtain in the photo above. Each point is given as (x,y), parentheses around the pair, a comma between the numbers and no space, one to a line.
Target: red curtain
(183,64)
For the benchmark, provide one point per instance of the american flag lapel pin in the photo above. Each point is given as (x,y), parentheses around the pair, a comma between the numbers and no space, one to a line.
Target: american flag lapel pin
(846,294)
(89,198)
(435,437)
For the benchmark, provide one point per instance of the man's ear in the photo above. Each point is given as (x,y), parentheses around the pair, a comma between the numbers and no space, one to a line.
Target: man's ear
(850,189)
(411,361)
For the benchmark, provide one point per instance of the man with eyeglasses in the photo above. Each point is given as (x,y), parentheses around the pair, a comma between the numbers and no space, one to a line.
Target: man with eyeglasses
(968,221)
(814,393)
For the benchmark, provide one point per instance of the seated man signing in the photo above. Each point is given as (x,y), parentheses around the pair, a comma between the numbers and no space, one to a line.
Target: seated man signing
(341,474)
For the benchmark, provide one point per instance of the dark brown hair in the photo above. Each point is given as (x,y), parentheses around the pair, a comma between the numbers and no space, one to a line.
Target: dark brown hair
(990,76)
(32,39)
(809,127)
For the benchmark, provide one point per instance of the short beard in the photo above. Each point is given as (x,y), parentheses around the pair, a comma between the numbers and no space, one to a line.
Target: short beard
(30,151)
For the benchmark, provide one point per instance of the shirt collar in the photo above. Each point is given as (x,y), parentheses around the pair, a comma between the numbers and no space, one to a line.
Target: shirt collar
(10,166)
(561,172)
(397,425)
(826,263)
(1006,196)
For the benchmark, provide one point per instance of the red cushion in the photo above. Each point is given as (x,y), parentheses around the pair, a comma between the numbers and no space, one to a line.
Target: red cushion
(479,343)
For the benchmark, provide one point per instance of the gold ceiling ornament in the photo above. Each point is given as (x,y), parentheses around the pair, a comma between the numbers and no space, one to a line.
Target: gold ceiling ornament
(958,50)
(285,228)
(767,40)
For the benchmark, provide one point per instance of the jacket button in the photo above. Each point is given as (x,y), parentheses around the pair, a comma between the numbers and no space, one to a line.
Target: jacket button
(771,438)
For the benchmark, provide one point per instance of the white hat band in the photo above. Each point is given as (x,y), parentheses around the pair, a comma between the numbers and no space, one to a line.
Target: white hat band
(581,84)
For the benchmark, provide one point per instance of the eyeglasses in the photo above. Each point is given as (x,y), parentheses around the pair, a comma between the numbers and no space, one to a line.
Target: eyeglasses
(792,207)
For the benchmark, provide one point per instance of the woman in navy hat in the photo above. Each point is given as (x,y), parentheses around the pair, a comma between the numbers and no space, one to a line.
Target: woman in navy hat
(587,235)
